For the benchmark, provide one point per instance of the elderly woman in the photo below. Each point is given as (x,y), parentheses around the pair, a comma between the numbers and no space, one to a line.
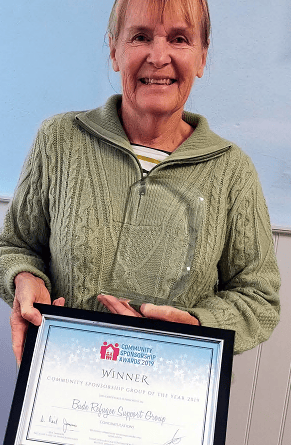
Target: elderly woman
(142,197)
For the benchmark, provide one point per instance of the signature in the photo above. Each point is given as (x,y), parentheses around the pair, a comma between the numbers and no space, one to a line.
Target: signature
(51,419)
(67,425)
(175,440)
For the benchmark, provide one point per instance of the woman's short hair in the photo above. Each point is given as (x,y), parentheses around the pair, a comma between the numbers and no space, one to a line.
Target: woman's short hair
(187,7)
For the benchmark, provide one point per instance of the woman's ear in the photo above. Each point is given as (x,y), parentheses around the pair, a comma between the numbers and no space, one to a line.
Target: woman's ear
(113,54)
(203,62)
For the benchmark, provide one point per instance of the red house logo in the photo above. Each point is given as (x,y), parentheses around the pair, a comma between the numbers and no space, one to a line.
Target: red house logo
(109,352)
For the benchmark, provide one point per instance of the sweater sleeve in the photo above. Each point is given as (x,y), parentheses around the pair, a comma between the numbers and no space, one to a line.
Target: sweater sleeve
(24,239)
(246,299)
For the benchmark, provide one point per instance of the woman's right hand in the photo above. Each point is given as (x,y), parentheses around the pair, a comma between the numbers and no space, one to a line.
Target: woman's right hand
(28,290)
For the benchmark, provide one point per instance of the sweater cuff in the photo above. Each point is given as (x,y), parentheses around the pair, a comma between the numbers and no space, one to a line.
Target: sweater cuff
(15,270)
(205,317)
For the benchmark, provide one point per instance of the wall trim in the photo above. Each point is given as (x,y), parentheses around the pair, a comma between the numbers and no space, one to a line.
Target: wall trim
(275,229)
(281,230)
(5,199)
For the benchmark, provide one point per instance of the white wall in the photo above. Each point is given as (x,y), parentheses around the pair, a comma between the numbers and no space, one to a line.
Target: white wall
(8,368)
(260,403)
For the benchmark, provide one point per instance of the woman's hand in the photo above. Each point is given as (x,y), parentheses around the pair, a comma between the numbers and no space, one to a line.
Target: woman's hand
(28,290)
(148,310)
(118,306)
(168,313)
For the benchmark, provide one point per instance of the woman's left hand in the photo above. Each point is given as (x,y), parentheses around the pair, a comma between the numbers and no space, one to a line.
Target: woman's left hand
(148,310)
(117,306)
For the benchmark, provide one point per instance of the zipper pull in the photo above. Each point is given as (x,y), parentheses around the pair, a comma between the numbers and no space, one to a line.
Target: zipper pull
(142,187)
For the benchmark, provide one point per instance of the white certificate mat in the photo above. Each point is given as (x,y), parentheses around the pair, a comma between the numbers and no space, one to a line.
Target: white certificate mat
(91,382)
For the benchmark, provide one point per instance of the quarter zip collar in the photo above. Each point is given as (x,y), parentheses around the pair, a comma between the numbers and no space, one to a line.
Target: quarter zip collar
(202,145)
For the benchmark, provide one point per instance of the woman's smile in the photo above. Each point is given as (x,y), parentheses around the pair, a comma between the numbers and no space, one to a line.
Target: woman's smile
(153,81)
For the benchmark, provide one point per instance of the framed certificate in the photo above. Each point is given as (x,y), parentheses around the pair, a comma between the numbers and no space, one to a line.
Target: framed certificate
(91,378)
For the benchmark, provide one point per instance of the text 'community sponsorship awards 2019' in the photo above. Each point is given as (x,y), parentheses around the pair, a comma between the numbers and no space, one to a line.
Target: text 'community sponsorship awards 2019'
(105,382)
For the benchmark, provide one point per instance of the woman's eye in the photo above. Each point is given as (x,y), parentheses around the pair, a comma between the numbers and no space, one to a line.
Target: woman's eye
(140,38)
(180,39)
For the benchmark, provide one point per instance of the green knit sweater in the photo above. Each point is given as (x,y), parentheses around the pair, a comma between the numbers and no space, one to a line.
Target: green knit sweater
(194,233)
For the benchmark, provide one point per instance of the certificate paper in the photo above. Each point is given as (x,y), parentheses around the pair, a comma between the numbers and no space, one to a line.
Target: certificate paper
(105,384)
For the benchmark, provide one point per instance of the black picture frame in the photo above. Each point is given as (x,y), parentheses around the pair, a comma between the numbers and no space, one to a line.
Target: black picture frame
(225,339)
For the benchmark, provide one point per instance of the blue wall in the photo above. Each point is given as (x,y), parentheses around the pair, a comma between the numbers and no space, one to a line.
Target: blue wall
(54,59)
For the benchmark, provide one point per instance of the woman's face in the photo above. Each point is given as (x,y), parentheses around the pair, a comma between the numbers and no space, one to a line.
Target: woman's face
(158,61)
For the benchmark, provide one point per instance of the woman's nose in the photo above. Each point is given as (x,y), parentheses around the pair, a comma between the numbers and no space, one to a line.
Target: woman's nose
(159,53)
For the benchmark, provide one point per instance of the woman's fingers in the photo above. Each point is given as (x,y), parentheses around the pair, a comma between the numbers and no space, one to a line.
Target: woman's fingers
(111,305)
(28,290)
(18,331)
(19,325)
(118,306)
(59,302)
(168,313)
(127,305)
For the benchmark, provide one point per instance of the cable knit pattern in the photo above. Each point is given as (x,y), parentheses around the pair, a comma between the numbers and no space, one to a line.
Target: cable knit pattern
(84,220)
